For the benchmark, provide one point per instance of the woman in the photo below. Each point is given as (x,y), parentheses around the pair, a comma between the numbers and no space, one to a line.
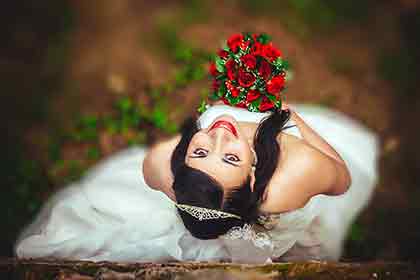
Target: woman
(112,214)
(229,169)
(304,167)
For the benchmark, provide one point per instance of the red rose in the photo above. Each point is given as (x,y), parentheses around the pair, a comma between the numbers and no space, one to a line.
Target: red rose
(231,69)
(213,70)
(249,60)
(244,45)
(234,42)
(252,95)
(223,54)
(271,52)
(275,84)
(264,69)
(246,79)
(215,85)
(266,104)
(225,101)
(241,104)
(257,49)
(234,91)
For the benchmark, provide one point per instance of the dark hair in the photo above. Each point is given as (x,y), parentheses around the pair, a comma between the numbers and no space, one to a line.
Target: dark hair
(194,187)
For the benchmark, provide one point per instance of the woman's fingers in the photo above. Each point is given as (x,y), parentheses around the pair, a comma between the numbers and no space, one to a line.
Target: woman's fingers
(284,106)
(218,102)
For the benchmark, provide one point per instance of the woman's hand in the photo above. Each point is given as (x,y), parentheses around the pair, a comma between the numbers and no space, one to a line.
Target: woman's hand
(218,102)
(285,106)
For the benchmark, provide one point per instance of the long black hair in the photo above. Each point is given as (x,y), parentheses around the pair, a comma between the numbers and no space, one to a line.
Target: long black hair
(195,187)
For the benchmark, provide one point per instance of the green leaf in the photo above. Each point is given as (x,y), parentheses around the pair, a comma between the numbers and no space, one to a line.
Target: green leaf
(124,104)
(278,62)
(247,35)
(278,103)
(222,90)
(254,105)
(272,98)
(233,100)
(202,108)
(286,65)
(264,38)
(220,64)
(213,96)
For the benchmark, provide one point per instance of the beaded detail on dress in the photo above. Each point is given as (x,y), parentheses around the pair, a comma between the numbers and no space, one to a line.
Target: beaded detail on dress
(293,228)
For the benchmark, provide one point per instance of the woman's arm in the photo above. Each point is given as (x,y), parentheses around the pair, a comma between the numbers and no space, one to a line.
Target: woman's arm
(157,166)
(316,141)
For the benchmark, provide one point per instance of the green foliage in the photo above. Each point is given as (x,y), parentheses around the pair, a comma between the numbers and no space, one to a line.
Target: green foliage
(202,108)
(400,68)
(93,153)
(357,233)
(264,38)
(75,170)
(86,129)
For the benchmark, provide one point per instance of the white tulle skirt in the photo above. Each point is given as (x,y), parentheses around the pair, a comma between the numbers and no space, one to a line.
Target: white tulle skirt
(111,214)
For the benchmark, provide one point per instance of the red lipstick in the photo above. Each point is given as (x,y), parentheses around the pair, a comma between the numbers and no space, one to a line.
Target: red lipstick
(226,125)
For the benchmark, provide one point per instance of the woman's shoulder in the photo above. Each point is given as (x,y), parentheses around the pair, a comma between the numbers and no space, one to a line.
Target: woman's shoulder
(157,165)
(297,177)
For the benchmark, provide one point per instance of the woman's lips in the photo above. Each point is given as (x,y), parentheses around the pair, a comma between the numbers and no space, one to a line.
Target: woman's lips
(226,125)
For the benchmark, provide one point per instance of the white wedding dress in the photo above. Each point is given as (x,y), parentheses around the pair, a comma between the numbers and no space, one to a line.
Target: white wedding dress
(111,214)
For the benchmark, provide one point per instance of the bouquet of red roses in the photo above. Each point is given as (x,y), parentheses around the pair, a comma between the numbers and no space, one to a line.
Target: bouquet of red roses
(249,72)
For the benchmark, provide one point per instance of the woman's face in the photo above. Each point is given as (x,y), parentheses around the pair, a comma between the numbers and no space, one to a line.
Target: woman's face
(223,152)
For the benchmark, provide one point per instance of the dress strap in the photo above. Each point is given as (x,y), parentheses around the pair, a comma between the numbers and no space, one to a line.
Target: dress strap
(292,129)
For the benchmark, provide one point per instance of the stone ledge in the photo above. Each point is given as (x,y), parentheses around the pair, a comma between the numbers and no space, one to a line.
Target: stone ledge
(35,269)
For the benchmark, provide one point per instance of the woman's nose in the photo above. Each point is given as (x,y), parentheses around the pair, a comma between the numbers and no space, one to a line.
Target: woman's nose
(220,137)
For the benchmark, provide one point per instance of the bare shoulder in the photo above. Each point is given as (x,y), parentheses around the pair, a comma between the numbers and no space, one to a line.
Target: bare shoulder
(302,172)
(157,164)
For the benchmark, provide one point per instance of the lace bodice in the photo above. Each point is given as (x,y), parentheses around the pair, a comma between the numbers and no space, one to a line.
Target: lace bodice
(297,232)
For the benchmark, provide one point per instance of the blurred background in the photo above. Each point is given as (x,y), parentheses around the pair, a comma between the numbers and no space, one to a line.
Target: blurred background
(83,79)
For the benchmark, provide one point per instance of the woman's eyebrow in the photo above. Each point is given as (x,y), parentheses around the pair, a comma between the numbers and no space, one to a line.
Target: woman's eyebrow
(224,160)
(197,156)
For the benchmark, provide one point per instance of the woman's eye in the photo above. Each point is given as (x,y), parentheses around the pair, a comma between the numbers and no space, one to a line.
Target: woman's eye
(231,157)
(200,152)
